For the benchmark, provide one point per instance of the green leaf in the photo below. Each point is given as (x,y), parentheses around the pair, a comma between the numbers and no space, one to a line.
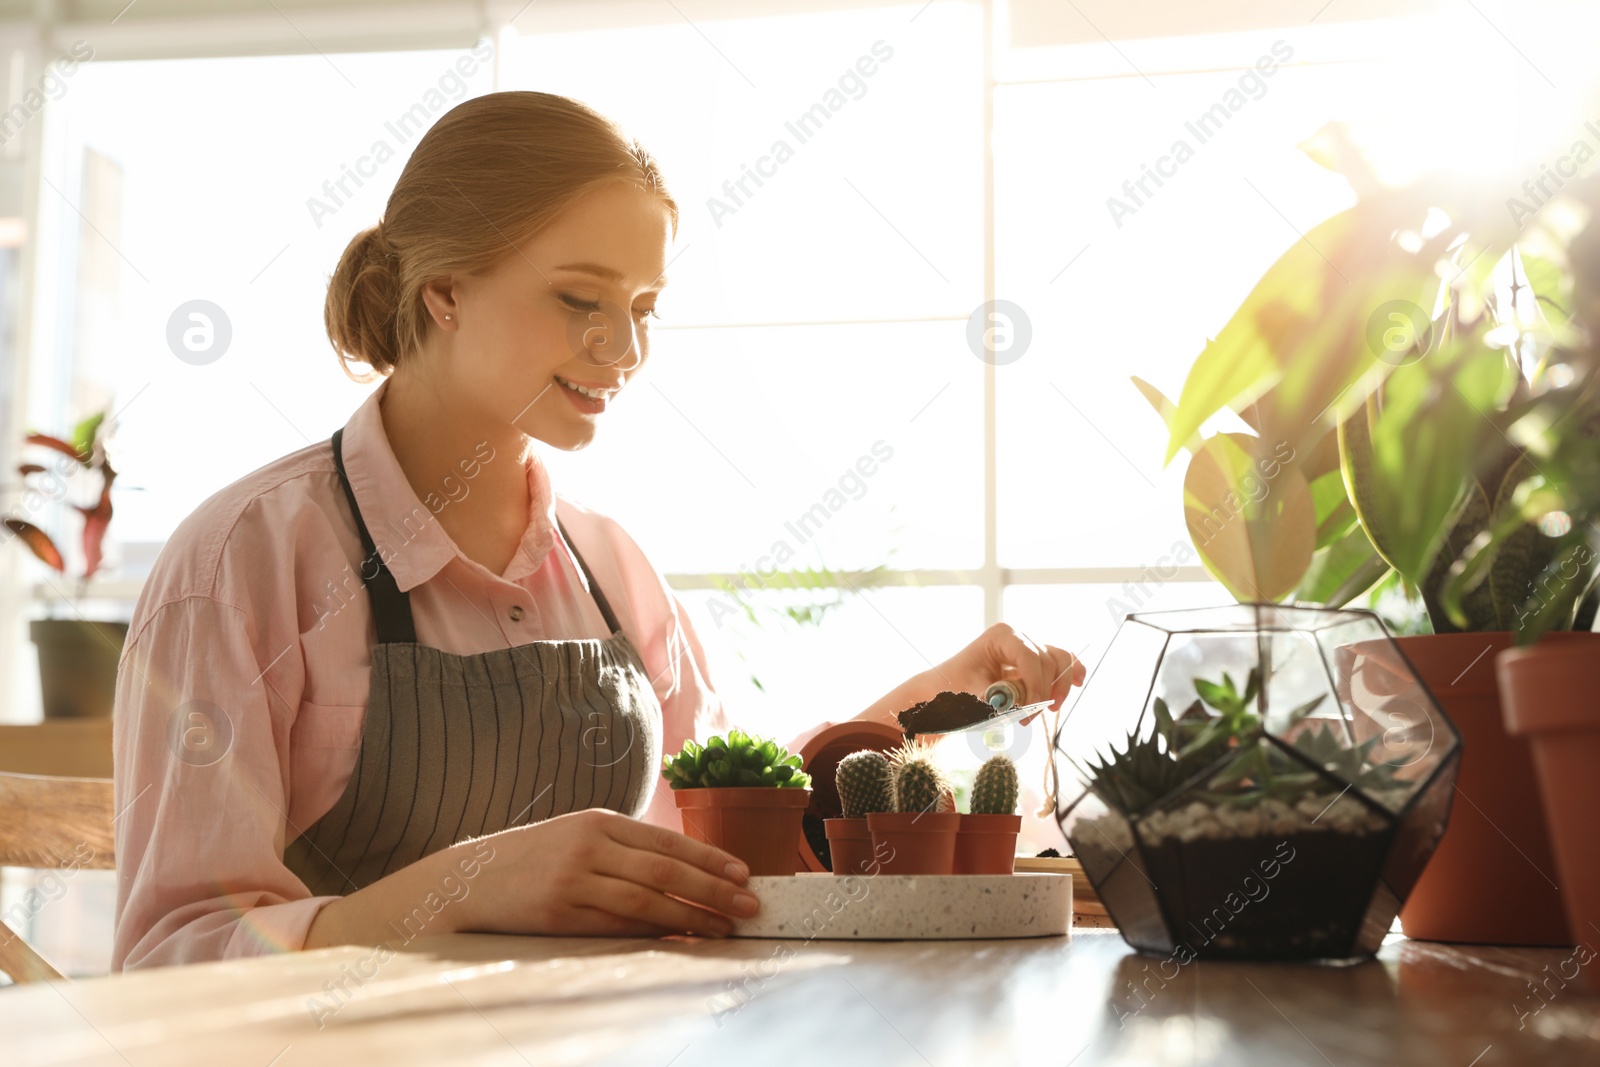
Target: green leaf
(1250,516)
(1163,718)
(85,432)
(1342,571)
(1335,515)
(1223,372)
(1306,709)
(1214,694)
(1164,408)
(1408,457)
(1301,329)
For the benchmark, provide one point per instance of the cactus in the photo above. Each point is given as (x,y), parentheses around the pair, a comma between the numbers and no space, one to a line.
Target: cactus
(919,784)
(866,784)
(994,791)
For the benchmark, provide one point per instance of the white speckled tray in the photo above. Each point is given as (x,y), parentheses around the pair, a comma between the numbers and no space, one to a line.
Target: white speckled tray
(897,907)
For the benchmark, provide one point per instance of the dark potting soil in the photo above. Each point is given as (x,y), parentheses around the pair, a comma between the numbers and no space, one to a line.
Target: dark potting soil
(1048,854)
(817,836)
(946,711)
(1219,900)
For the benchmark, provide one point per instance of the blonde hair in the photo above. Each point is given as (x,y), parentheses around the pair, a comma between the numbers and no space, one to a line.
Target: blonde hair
(490,174)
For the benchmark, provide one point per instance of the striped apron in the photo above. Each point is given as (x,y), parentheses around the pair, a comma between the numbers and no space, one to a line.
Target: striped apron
(454,747)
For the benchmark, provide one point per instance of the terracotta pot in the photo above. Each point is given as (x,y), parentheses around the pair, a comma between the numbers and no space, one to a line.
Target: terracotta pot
(77,666)
(1552,697)
(820,757)
(849,845)
(987,844)
(757,824)
(915,842)
(1488,882)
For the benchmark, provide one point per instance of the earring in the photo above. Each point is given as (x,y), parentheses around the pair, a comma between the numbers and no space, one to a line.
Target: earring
(447,318)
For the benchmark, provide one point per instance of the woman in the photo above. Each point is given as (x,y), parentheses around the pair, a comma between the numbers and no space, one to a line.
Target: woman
(393,669)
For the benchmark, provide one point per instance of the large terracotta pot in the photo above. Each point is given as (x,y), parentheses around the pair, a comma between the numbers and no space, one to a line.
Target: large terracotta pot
(757,824)
(1551,694)
(1490,880)
(820,757)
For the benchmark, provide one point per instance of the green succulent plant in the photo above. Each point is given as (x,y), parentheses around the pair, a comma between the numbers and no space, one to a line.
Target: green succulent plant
(1180,748)
(1354,764)
(919,784)
(866,784)
(994,790)
(1261,772)
(737,760)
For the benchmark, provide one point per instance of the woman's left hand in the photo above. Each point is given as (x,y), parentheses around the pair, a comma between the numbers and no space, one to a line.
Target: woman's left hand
(1042,672)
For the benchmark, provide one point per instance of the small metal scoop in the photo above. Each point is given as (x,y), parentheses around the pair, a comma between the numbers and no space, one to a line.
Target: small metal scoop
(1002,696)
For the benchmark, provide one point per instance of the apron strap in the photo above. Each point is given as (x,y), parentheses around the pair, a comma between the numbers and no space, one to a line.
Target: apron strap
(594,586)
(391,608)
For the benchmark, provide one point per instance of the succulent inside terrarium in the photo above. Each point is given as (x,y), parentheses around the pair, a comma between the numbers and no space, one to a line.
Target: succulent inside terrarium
(1284,816)
(1181,747)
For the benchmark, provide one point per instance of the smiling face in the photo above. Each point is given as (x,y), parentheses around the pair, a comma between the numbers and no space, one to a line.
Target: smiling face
(545,339)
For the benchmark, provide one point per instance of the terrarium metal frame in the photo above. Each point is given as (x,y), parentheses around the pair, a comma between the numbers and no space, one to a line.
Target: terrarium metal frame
(1363,862)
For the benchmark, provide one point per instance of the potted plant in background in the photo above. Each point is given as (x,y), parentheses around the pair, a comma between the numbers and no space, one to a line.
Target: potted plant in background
(1377,367)
(865,781)
(1281,820)
(986,843)
(919,836)
(1549,694)
(77,657)
(744,795)
(1548,688)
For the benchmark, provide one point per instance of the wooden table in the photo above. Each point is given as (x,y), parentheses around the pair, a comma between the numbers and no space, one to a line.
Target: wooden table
(470,999)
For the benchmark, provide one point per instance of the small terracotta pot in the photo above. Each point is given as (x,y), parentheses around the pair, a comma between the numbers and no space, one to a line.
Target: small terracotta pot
(1551,694)
(820,758)
(850,845)
(987,844)
(1486,882)
(757,824)
(915,842)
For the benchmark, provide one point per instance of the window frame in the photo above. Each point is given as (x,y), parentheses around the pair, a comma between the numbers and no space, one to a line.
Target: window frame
(235,34)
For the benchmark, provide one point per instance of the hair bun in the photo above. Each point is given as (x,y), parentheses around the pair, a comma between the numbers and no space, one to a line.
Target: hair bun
(360,309)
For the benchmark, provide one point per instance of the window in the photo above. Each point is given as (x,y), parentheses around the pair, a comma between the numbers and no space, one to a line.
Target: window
(813,384)
(854,181)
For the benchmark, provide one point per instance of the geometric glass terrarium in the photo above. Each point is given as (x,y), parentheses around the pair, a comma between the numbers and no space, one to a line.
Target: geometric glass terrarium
(1254,781)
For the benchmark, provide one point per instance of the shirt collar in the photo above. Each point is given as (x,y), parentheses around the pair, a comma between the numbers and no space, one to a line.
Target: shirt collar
(404,528)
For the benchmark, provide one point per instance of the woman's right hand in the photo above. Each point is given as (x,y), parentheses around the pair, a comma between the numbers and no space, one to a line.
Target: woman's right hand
(596,872)
(591,872)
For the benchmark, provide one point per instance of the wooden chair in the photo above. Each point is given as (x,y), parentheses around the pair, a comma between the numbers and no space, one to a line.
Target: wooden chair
(56,812)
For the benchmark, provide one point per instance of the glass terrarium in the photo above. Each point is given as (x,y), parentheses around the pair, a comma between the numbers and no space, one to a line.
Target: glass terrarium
(1254,781)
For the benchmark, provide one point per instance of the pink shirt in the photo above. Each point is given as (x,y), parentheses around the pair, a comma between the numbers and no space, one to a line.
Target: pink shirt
(255,618)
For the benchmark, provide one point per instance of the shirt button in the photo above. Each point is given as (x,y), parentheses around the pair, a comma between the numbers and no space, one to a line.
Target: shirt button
(516,613)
